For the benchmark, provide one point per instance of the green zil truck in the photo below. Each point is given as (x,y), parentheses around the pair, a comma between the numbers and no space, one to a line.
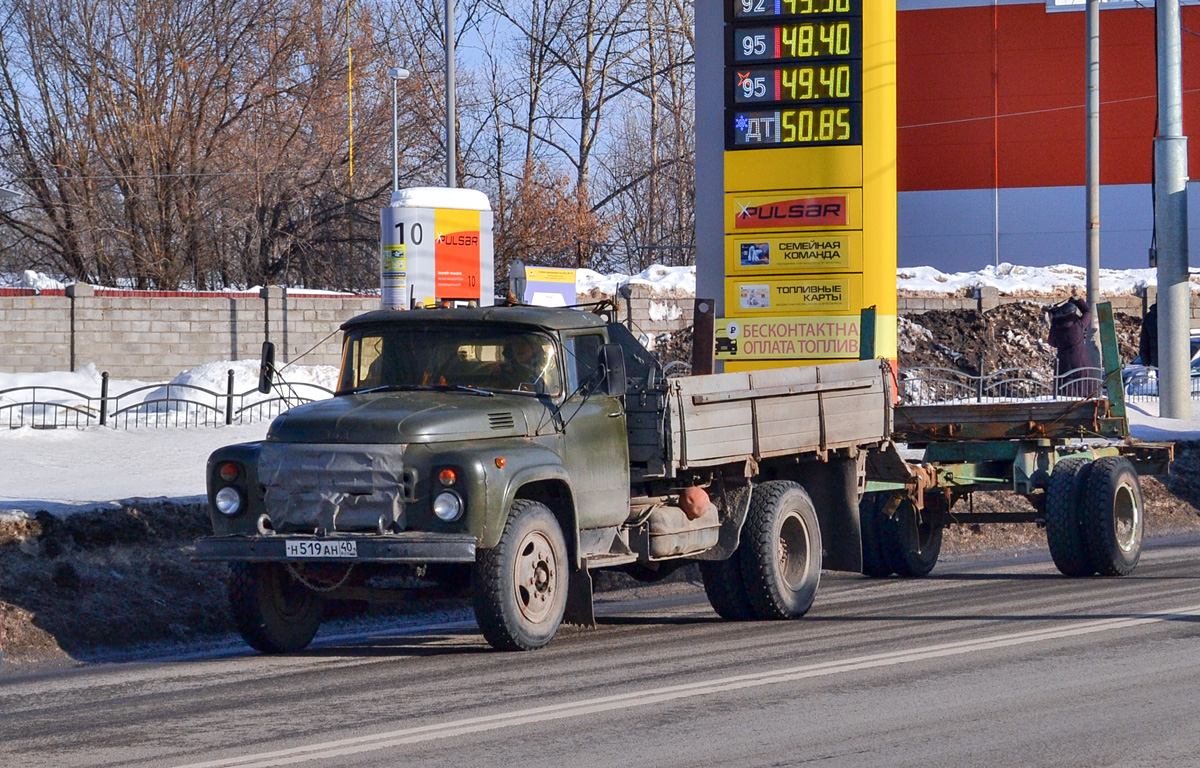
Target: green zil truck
(517,449)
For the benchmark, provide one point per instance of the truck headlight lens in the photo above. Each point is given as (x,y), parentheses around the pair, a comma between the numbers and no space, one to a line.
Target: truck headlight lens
(228,500)
(448,506)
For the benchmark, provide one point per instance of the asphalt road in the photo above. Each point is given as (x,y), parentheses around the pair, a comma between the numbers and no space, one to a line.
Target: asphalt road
(998,663)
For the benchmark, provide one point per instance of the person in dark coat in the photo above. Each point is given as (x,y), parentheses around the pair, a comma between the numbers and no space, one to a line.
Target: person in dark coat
(1148,338)
(1068,335)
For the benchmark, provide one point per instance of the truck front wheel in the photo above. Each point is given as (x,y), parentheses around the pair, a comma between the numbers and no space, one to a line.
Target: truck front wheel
(520,589)
(273,611)
(781,551)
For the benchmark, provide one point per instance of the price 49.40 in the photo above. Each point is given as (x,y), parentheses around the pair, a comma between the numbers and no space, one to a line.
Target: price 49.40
(802,83)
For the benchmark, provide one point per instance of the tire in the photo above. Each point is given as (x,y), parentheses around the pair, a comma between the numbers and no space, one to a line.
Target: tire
(781,551)
(870,519)
(1064,507)
(520,585)
(1113,517)
(273,612)
(911,548)
(726,589)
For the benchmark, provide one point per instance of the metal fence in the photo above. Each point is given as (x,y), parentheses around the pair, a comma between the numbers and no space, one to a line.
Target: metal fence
(929,385)
(1141,383)
(151,405)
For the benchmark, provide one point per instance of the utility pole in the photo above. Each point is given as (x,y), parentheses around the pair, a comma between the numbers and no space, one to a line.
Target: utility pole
(1093,176)
(451,147)
(1170,222)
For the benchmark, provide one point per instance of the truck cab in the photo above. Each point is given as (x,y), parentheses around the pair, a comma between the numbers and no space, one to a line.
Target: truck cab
(442,419)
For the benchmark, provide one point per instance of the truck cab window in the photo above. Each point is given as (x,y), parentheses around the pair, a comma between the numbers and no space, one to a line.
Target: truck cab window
(583,358)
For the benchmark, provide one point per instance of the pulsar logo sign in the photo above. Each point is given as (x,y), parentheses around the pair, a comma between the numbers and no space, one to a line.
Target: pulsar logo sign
(796,213)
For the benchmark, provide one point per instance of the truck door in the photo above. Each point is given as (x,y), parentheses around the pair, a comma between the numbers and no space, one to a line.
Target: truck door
(596,446)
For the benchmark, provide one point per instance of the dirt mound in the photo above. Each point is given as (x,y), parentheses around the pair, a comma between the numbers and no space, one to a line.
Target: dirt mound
(1010,335)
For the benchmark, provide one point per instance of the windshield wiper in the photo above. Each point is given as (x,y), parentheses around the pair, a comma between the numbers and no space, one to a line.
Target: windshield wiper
(423,388)
(390,388)
(468,388)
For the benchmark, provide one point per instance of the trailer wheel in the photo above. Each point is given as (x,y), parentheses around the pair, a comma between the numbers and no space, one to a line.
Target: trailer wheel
(911,545)
(520,589)
(726,589)
(1064,508)
(870,519)
(1113,518)
(781,551)
(274,612)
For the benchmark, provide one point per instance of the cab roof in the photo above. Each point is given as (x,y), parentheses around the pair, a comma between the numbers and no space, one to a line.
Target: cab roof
(550,318)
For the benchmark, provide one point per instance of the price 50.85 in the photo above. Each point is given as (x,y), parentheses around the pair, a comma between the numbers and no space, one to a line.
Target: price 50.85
(803,126)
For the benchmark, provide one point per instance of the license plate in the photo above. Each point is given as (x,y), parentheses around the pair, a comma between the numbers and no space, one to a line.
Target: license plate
(307,548)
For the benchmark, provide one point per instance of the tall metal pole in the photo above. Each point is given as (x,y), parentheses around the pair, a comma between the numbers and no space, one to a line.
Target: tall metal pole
(395,138)
(1093,175)
(396,74)
(451,149)
(1170,222)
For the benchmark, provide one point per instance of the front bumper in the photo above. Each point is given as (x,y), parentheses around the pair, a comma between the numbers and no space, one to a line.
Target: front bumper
(414,547)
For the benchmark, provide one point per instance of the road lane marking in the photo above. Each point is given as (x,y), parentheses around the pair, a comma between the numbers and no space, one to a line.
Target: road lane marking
(344,747)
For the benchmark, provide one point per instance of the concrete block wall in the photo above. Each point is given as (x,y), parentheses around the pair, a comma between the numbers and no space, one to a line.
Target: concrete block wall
(155,335)
(649,312)
(911,303)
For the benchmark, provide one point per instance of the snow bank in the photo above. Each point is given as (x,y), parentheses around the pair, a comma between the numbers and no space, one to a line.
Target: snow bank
(30,279)
(664,280)
(1015,280)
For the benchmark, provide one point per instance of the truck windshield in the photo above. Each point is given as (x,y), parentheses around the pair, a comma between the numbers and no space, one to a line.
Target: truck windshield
(453,356)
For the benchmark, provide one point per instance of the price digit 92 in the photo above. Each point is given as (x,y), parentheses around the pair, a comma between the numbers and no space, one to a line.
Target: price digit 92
(754,7)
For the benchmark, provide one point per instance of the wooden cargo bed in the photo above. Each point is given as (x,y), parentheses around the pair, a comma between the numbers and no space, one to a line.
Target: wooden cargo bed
(730,417)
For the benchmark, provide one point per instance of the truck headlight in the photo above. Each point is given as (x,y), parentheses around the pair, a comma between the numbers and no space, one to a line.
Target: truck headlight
(448,506)
(228,501)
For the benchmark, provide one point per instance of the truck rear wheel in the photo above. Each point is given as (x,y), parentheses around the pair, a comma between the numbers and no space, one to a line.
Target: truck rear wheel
(1113,517)
(1064,507)
(911,542)
(781,551)
(870,520)
(273,611)
(726,589)
(520,589)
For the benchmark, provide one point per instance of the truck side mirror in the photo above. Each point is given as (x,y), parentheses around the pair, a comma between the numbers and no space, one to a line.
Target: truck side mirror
(266,368)
(612,365)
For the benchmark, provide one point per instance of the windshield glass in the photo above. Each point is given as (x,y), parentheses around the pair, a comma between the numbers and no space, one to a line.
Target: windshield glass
(454,356)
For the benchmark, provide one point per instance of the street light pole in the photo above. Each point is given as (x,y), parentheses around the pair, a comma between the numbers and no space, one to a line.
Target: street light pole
(451,148)
(397,74)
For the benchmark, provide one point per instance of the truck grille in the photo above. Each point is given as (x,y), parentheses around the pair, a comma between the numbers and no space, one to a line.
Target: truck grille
(331,487)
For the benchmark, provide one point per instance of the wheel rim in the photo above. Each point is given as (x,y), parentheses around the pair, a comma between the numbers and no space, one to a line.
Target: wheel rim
(535,577)
(1127,518)
(793,551)
(291,597)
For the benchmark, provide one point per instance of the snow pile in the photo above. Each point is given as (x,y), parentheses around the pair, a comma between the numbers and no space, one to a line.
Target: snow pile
(30,279)
(679,281)
(1016,280)
(205,384)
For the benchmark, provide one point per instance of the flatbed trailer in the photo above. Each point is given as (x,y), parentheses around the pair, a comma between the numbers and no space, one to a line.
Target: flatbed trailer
(1072,459)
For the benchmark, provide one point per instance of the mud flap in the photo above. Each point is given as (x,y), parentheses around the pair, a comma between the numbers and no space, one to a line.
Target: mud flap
(579,599)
